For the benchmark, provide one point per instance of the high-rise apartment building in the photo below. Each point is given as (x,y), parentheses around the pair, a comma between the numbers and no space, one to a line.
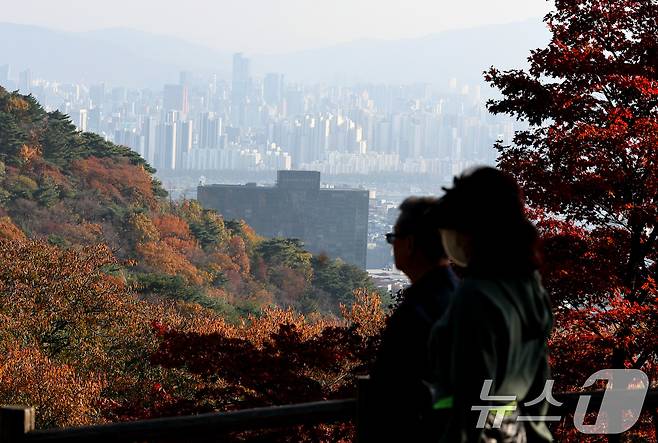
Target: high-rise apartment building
(149,128)
(25,81)
(184,141)
(273,89)
(130,138)
(240,88)
(119,95)
(175,98)
(5,72)
(97,95)
(210,131)
(166,146)
(295,102)
(81,119)
(240,81)
(185,78)
(330,221)
(95,120)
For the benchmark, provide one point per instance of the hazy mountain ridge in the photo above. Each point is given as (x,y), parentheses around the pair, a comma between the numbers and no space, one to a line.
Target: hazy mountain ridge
(165,49)
(133,58)
(71,57)
(463,54)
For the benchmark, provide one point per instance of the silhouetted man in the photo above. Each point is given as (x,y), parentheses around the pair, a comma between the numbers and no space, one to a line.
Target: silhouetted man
(400,400)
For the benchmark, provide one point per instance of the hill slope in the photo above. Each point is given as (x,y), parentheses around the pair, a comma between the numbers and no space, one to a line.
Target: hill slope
(74,189)
(117,304)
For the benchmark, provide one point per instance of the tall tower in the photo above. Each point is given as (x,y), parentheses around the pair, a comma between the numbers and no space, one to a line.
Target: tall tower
(183,142)
(240,88)
(150,140)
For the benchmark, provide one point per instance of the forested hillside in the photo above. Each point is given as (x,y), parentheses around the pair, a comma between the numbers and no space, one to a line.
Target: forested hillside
(117,303)
(70,188)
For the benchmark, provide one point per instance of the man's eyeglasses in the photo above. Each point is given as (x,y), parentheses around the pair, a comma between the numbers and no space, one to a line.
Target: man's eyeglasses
(391,236)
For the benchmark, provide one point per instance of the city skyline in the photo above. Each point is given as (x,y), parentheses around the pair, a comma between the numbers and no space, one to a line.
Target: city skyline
(277,26)
(255,123)
(202,123)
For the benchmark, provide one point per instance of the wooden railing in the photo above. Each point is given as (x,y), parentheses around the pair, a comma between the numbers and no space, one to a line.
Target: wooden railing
(17,422)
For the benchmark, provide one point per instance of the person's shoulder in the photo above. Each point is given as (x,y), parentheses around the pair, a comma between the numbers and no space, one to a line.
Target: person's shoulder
(445,276)
(473,289)
(401,314)
(504,289)
(437,287)
(475,297)
(417,313)
(479,288)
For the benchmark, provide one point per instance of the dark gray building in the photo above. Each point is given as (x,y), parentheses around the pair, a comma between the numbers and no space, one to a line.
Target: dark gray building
(331,221)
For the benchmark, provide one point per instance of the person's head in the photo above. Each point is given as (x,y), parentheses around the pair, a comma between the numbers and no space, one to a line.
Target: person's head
(483,223)
(416,242)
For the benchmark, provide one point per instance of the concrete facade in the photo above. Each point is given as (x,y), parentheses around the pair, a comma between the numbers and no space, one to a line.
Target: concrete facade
(331,221)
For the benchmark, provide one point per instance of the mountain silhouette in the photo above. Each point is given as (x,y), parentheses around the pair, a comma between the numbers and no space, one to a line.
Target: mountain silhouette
(126,57)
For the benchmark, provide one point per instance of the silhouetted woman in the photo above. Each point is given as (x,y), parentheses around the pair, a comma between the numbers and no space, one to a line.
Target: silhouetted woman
(498,323)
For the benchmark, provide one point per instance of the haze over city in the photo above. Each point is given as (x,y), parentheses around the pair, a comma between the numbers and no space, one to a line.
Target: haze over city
(364,92)
(263,26)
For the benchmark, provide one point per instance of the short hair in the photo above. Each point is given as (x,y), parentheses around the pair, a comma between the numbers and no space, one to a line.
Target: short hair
(417,220)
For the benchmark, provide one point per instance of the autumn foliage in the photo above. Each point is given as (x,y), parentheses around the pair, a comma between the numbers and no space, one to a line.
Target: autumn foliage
(118,304)
(116,180)
(69,331)
(83,348)
(589,168)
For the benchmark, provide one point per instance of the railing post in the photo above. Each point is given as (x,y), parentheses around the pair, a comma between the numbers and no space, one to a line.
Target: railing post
(363,413)
(15,422)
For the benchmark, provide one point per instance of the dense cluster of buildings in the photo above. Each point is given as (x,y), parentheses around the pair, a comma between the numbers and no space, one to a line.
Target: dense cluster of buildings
(251,123)
(203,125)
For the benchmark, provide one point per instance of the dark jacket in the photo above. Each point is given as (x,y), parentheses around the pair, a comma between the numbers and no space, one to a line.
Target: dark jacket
(496,328)
(398,394)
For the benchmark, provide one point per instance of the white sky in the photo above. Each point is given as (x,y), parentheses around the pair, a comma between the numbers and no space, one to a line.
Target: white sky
(272,25)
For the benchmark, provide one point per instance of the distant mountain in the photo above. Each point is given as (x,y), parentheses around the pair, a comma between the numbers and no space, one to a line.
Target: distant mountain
(165,49)
(436,58)
(134,58)
(116,56)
